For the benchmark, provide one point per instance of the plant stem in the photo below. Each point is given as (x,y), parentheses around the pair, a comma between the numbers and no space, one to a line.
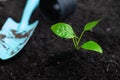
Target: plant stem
(80,38)
(74,41)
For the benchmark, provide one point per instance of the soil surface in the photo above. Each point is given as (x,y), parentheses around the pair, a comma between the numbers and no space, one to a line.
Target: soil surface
(47,57)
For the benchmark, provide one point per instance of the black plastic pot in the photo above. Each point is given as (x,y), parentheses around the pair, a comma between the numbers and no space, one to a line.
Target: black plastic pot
(57,9)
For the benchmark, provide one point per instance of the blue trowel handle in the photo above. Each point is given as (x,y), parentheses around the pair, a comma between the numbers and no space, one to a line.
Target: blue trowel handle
(29,8)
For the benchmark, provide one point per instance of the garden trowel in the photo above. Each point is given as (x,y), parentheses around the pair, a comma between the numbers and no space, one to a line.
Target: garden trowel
(14,36)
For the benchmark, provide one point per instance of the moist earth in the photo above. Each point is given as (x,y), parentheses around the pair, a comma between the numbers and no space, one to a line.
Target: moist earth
(48,57)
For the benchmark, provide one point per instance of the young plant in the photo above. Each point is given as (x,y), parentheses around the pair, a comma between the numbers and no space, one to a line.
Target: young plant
(64,30)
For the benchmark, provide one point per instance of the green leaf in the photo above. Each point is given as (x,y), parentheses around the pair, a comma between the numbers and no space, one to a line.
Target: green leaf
(63,30)
(93,46)
(91,25)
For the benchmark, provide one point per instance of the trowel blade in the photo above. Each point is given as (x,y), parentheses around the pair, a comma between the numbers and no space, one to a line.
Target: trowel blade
(11,42)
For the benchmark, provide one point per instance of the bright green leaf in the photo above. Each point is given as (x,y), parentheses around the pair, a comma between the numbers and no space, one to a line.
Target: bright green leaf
(93,46)
(91,25)
(63,30)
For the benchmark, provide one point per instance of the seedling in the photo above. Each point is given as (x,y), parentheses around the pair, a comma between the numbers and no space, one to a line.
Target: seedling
(64,30)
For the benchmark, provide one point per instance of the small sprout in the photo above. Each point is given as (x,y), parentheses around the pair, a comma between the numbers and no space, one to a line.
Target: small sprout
(64,30)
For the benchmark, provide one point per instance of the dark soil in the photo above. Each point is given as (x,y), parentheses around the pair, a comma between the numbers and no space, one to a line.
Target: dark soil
(47,57)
